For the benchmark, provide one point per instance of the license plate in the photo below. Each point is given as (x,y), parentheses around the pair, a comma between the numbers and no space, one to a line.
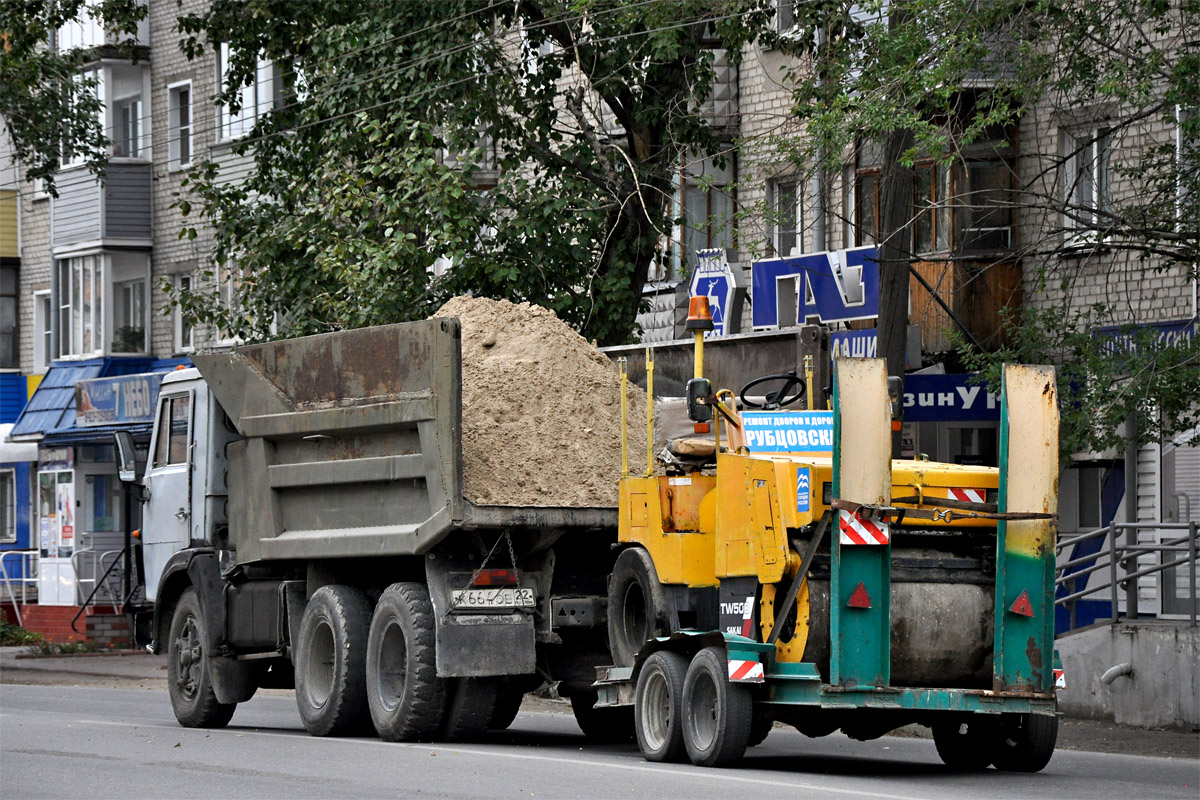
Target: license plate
(504,597)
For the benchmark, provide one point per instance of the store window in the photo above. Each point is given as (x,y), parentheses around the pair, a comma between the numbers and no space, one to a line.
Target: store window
(56,513)
(8,506)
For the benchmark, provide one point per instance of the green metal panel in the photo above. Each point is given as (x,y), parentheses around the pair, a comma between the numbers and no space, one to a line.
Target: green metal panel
(860,638)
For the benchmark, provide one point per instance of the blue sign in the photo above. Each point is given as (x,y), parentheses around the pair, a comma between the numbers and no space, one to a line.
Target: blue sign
(1178,333)
(116,401)
(854,344)
(948,398)
(714,278)
(803,489)
(836,286)
(802,432)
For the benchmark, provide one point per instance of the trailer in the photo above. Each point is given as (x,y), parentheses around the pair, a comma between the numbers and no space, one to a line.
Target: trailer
(305,524)
(786,568)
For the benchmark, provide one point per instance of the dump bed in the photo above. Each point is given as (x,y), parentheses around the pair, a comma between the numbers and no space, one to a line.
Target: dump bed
(352,446)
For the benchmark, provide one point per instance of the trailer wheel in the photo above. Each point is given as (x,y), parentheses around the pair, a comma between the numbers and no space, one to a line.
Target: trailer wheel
(406,697)
(471,706)
(657,707)
(717,714)
(965,746)
(605,725)
(1026,742)
(508,705)
(330,670)
(761,726)
(188,680)
(637,605)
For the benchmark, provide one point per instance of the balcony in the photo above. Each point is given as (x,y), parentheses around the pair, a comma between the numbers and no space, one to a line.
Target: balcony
(114,210)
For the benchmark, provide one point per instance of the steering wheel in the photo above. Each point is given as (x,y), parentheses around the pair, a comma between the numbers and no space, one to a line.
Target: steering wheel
(791,383)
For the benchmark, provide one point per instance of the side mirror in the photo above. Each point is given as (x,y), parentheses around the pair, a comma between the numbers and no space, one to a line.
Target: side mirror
(126,456)
(698,392)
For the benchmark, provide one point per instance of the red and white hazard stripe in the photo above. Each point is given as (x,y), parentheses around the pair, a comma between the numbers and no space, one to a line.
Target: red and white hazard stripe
(1060,679)
(856,530)
(748,618)
(745,671)
(969,495)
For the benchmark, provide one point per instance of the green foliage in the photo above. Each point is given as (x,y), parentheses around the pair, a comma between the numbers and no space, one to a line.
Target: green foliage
(13,635)
(557,189)
(48,109)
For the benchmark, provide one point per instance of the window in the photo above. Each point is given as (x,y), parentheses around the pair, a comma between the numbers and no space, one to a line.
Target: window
(70,157)
(184,333)
(868,163)
(43,312)
(8,506)
(8,318)
(931,207)
(787,217)
(171,440)
(129,317)
(179,111)
(785,15)
(84,31)
(79,305)
(127,128)
(1086,165)
(256,99)
(1187,158)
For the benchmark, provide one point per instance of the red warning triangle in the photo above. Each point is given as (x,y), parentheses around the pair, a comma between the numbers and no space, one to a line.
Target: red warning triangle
(1022,605)
(860,598)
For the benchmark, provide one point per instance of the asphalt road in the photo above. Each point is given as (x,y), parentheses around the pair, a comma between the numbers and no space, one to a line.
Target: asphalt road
(94,743)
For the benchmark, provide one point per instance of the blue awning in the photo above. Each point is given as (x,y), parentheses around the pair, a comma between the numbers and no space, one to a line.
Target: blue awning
(97,434)
(51,410)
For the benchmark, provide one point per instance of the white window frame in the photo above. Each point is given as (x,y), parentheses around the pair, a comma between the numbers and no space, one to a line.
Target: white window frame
(775,191)
(134,106)
(43,326)
(257,98)
(73,159)
(71,340)
(119,296)
(1183,114)
(8,506)
(175,128)
(1088,154)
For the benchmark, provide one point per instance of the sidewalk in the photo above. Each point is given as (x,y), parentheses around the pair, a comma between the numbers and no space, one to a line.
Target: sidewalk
(139,669)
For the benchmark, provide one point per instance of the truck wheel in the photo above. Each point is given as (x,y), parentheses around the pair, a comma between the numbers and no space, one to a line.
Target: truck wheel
(331,688)
(1026,742)
(717,714)
(188,681)
(470,709)
(657,714)
(760,728)
(605,725)
(965,746)
(508,705)
(637,605)
(406,697)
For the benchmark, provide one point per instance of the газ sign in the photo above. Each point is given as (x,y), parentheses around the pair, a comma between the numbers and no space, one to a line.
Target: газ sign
(725,288)
(836,286)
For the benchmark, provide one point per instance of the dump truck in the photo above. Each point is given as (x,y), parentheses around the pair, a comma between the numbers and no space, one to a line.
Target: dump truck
(304,524)
(784,567)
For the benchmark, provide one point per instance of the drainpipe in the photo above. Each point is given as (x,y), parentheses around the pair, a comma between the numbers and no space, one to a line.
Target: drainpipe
(1131,448)
(818,181)
(1115,672)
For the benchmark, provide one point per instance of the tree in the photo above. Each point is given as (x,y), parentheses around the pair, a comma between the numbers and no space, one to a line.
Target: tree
(531,144)
(49,108)
(934,78)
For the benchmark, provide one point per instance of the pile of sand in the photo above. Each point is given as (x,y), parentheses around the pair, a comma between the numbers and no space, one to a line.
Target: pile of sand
(541,409)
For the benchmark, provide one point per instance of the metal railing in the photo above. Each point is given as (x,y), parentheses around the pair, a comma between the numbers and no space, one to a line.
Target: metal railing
(1119,572)
(27,561)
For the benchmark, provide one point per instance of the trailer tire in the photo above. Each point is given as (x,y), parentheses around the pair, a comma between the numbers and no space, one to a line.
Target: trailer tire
(760,728)
(968,750)
(717,714)
(331,690)
(470,708)
(508,705)
(406,697)
(637,605)
(605,725)
(189,682)
(1025,742)
(657,707)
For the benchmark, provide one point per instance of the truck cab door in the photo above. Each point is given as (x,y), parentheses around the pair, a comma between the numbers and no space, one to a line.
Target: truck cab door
(167,515)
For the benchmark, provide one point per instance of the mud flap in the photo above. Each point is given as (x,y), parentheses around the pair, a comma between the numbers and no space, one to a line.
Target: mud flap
(232,680)
(477,645)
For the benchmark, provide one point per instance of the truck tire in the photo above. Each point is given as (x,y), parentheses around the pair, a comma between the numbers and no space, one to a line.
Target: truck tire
(760,728)
(717,714)
(471,706)
(1025,742)
(508,705)
(604,725)
(968,746)
(331,690)
(637,606)
(657,707)
(406,697)
(188,680)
